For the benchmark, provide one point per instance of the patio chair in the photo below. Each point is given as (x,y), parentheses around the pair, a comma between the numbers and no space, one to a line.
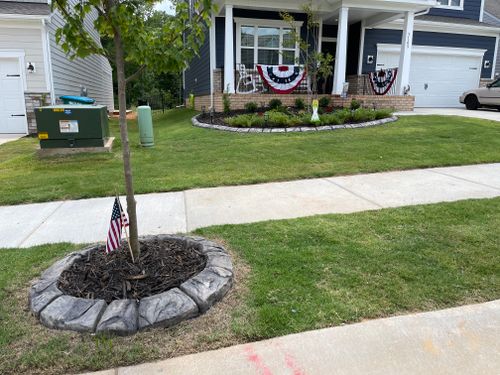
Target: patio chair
(245,80)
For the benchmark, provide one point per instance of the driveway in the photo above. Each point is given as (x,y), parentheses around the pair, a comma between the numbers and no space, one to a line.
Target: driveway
(4,138)
(486,114)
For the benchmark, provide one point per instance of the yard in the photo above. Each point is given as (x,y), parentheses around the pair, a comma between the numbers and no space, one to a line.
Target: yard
(187,157)
(291,276)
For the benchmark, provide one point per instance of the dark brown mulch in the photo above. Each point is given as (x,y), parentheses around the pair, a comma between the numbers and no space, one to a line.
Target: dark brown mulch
(163,265)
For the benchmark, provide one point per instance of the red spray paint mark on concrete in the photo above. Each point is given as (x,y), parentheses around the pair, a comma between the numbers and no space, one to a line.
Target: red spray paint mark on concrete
(257,361)
(292,365)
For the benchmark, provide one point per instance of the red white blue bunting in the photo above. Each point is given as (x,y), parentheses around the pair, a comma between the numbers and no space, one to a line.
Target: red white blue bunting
(282,79)
(381,81)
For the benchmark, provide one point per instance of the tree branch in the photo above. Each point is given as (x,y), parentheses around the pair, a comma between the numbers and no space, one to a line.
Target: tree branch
(136,74)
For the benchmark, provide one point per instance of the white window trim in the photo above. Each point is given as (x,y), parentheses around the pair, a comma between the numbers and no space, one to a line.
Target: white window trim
(255,22)
(452,7)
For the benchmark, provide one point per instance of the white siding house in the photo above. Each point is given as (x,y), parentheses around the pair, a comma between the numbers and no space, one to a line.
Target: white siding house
(34,70)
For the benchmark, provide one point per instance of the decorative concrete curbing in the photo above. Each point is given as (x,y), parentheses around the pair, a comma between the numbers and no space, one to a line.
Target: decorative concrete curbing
(125,317)
(300,129)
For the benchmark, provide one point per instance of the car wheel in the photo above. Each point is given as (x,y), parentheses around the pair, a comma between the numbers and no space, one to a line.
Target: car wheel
(471,102)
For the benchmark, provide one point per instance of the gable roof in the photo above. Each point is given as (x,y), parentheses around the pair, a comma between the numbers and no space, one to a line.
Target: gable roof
(24,8)
(492,7)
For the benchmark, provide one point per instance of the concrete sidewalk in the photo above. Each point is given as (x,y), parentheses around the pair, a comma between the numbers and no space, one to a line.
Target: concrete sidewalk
(87,220)
(461,340)
(5,138)
(482,113)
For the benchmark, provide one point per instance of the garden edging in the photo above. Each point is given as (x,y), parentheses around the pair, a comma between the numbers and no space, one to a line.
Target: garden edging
(124,317)
(299,129)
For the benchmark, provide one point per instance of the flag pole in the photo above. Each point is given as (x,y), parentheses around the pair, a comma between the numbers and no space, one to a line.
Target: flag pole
(125,229)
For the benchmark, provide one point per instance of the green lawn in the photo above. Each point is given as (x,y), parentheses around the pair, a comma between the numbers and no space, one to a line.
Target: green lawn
(187,157)
(291,276)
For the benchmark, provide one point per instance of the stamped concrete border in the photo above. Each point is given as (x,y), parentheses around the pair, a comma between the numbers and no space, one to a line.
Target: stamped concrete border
(195,296)
(300,129)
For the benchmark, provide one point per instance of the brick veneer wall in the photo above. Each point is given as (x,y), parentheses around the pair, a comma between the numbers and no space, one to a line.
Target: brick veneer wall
(238,101)
(34,100)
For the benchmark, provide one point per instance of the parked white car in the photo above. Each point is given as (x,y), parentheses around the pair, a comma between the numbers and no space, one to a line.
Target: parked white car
(488,96)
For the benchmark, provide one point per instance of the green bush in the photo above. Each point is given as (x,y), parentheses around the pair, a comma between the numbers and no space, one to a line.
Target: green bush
(275,104)
(382,113)
(363,115)
(251,107)
(246,121)
(330,119)
(324,101)
(343,115)
(300,104)
(226,103)
(279,119)
(355,104)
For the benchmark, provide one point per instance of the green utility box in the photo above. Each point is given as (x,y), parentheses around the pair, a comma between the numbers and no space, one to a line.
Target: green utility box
(72,126)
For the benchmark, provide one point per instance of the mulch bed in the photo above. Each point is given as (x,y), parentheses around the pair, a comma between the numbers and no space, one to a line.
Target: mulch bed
(219,117)
(163,265)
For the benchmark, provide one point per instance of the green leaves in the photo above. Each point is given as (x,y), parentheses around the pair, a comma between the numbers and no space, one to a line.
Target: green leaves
(166,45)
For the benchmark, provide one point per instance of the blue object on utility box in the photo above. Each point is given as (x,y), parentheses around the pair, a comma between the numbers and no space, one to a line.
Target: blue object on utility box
(70,99)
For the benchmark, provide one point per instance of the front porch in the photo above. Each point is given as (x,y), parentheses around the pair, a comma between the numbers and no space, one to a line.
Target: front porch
(250,34)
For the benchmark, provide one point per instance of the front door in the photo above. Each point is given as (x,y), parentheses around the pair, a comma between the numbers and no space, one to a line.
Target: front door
(12,105)
(331,48)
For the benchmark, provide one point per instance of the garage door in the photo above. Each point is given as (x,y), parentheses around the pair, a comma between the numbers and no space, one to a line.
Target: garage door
(12,105)
(438,75)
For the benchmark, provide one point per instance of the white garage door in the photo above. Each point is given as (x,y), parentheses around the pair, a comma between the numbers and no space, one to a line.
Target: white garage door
(12,105)
(438,75)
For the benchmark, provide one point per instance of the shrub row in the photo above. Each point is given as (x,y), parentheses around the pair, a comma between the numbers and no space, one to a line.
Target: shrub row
(277,118)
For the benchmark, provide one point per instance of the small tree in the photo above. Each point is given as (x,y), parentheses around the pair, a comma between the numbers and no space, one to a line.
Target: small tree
(317,64)
(165,48)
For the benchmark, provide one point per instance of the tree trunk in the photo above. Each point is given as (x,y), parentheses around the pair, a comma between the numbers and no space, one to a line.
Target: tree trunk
(127,167)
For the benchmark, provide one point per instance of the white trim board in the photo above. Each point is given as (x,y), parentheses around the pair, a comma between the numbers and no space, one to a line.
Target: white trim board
(432,50)
(443,27)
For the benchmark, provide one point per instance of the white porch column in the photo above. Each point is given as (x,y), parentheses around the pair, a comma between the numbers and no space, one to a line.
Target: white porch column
(405,56)
(229,52)
(320,35)
(212,60)
(341,53)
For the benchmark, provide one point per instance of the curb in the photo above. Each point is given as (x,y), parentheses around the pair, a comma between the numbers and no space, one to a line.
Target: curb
(301,129)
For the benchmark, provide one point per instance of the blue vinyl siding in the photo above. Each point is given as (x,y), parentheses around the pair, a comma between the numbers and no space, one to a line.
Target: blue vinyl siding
(472,10)
(197,77)
(374,36)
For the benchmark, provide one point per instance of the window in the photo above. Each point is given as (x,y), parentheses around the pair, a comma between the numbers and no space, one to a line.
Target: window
(265,42)
(454,4)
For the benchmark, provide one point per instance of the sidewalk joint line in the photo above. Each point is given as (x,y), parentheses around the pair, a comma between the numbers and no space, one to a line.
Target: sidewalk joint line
(463,179)
(353,193)
(38,226)
(185,210)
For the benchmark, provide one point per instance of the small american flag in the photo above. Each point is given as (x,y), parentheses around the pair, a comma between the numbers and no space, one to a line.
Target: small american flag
(118,221)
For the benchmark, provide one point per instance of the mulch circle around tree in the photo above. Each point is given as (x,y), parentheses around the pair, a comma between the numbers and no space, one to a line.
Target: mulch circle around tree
(163,265)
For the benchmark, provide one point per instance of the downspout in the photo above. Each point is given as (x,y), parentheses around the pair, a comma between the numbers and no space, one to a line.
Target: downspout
(49,61)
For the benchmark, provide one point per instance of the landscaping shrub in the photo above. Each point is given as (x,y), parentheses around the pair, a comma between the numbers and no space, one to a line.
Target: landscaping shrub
(246,121)
(251,107)
(226,103)
(324,101)
(279,119)
(355,104)
(363,115)
(382,113)
(300,104)
(330,119)
(275,104)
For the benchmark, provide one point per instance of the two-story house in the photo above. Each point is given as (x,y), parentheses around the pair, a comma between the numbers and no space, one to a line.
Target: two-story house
(35,71)
(440,47)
